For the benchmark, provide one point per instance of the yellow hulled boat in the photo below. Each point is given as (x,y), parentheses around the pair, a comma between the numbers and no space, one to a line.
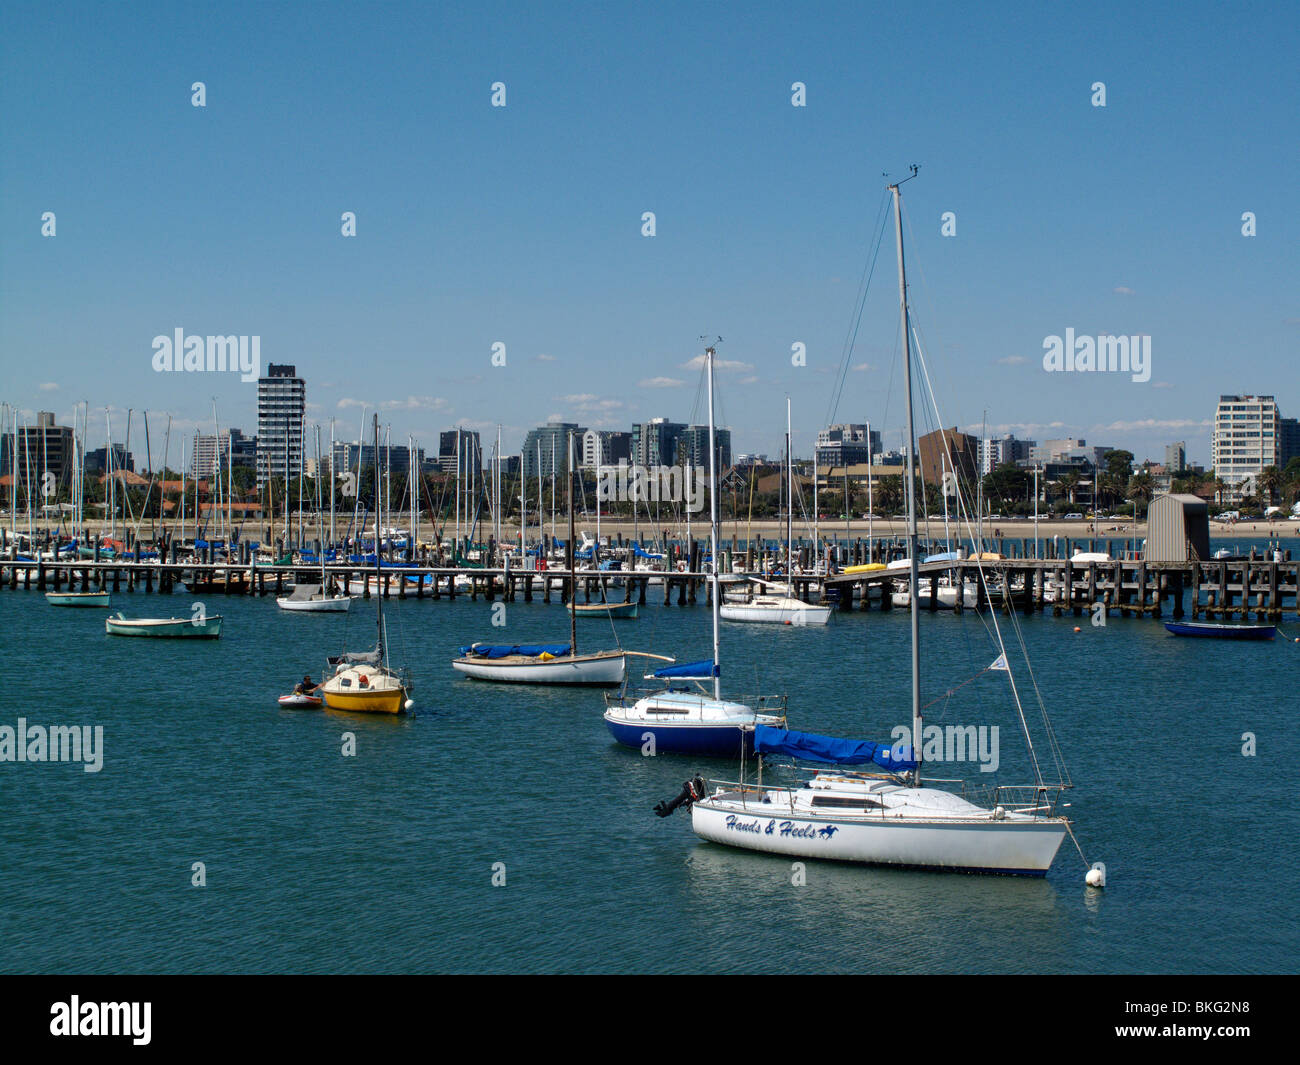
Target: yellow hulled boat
(364,682)
(369,689)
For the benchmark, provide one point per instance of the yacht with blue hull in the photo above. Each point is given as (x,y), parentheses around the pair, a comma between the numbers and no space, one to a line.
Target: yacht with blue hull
(700,722)
(686,722)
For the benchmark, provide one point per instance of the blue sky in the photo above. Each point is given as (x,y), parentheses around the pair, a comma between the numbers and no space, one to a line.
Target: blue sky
(522,224)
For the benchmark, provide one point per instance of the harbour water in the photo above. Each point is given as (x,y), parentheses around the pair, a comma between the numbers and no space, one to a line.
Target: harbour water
(384,861)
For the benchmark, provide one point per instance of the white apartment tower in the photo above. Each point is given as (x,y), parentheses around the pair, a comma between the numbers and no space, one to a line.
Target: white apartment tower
(1246,438)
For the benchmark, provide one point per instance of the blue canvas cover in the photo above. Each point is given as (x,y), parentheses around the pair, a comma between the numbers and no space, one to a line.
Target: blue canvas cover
(810,747)
(640,552)
(485,650)
(690,671)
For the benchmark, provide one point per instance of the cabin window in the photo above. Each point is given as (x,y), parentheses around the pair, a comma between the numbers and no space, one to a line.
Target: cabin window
(846,802)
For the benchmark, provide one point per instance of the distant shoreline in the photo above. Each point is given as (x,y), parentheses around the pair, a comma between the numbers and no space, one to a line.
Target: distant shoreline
(771,529)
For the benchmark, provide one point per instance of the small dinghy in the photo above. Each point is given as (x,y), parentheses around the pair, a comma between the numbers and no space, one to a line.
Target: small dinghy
(1223,632)
(299,701)
(198,627)
(612,610)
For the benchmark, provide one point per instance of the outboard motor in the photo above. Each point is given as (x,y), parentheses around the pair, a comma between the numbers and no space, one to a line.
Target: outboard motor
(692,791)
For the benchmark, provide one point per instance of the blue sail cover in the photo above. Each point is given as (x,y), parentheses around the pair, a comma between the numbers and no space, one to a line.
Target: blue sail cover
(690,671)
(484,650)
(640,552)
(829,750)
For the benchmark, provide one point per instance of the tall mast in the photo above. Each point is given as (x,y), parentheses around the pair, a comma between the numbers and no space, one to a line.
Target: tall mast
(713,529)
(573,555)
(379,597)
(911,489)
(789,501)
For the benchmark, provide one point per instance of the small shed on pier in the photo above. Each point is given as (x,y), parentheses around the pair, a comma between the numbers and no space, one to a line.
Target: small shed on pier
(1178,529)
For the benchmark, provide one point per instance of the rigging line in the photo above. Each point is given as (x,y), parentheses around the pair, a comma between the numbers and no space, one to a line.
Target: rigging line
(955,689)
(1024,724)
(861,302)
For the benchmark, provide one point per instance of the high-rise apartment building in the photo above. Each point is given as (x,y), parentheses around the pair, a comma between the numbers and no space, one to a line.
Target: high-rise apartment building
(281,408)
(693,448)
(604,447)
(546,449)
(654,443)
(1247,437)
(847,445)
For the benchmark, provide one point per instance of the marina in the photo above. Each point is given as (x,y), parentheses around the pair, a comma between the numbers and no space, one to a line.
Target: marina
(1259,587)
(220,774)
(653,490)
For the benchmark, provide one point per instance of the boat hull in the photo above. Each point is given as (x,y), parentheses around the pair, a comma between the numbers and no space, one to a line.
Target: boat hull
(300,702)
(709,741)
(209,628)
(77,598)
(335,605)
(606,670)
(1222,632)
(606,610)
(389,701)
(755,614)
(1013,848)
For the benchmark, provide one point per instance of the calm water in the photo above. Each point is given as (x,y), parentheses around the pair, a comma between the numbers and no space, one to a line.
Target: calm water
(383,862)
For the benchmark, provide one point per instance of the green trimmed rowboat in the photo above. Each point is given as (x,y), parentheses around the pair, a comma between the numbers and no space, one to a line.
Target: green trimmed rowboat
(207,627)
(605,610)
(77,598)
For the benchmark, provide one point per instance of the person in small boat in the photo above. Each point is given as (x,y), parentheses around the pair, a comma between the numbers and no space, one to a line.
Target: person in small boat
(305,687)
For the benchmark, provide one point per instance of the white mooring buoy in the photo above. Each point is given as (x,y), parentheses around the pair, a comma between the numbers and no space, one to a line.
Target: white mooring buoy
(408,704)
(1096,876)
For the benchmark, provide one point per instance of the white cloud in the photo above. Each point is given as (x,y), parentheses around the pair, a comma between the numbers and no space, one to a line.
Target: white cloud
(348,401)
(660,382)
(49,386)
(1122,290)
(697,363)
(753,380)
(431,403)
(1151,424)
(862,367)
(545,358)
(590,404)
(1012,360)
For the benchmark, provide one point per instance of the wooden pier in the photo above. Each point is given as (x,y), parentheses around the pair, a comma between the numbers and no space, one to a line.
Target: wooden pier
(1220,589)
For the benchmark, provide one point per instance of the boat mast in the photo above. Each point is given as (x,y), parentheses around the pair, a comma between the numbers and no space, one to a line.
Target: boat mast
(911,488)
(379,597)
(713,529)
(573,555)
(789,501)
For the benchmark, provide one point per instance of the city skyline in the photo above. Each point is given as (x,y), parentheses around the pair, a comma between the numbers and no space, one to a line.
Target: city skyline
(499,273)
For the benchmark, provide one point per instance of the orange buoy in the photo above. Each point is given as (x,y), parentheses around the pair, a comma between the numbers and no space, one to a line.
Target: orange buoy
(1077,629)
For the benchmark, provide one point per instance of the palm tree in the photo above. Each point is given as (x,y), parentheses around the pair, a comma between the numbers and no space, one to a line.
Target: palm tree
(1220,486)
(1269,480)
(1140,487)
(1069,483)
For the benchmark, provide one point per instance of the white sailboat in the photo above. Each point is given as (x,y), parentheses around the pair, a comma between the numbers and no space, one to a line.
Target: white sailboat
(315,598)
(891,818)
(776,604)
(694,722)
(546,663)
